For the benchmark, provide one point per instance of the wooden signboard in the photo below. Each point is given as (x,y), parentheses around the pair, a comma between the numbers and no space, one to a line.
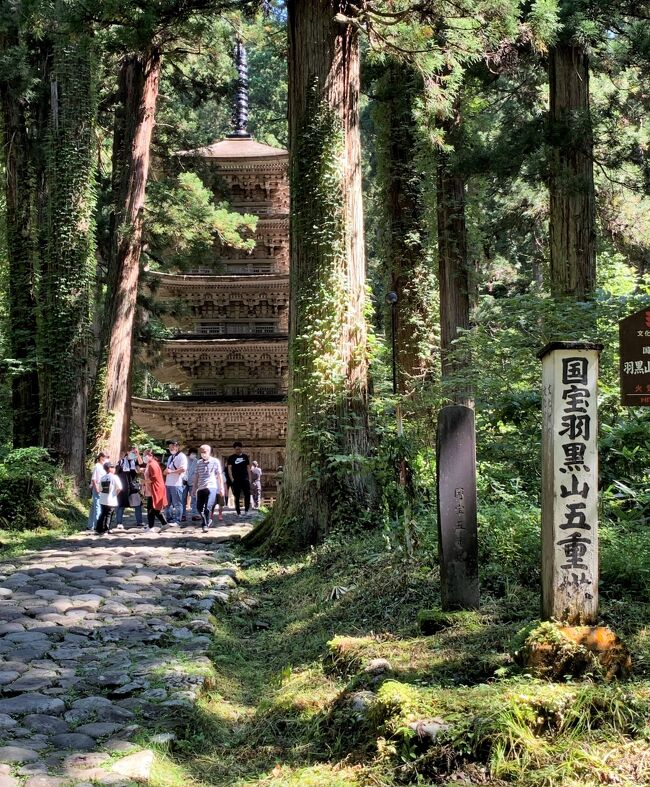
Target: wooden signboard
(634,343)
(570,481)
(457,532)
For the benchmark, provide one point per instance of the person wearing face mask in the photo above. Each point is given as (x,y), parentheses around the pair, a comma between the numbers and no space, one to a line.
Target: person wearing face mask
(174,472)
(129,497)
(154,489)
(238,472)
(187,487)
(208,484)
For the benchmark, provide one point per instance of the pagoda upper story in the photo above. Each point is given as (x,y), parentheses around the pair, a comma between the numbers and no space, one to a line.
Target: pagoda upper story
(227,356)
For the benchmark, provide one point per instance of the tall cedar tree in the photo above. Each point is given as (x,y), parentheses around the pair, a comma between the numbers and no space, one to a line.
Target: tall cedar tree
(67,250)
(20,205)
(405,255)
(147,30)
(454,278)
(571,181)
(48,120)
(328,421)
(134,124)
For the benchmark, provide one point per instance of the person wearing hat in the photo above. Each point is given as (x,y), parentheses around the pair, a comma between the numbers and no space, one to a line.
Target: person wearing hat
(111,486)
(174,472)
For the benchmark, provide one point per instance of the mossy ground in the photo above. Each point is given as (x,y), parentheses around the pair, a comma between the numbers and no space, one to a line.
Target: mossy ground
(292,647)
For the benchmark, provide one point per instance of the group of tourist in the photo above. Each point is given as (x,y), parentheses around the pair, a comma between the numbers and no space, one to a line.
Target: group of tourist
(171,485)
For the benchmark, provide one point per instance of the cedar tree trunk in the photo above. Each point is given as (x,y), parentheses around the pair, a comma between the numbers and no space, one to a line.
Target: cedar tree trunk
(21,320)
(571,184)
(67,265)
(404,234)
(139,79)
(453,272)
(323,481)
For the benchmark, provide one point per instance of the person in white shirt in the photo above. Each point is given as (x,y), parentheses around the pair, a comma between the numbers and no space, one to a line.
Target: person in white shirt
(207,484)
(111,486)
(174,472)
(95,480)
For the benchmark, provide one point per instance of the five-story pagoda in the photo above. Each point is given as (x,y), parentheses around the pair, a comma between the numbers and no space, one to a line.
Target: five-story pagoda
(229,352)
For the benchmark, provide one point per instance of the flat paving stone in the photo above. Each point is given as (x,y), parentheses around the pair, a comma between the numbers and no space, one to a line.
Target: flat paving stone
(41,723)
(17,754)
(73,740)
(32,703)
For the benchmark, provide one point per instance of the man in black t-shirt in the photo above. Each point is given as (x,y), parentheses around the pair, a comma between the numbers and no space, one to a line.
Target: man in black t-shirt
(238,475)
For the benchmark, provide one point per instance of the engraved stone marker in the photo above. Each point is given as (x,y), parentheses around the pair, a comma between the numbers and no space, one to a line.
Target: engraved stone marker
(634,343)
(457,534)
(570,481)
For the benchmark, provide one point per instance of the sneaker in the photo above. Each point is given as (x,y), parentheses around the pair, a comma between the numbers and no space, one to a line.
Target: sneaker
(119,527)
(196,518)
(173,524)
(204,528)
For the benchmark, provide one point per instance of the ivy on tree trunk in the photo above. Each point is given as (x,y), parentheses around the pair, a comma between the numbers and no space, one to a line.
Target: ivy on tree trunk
(67,252)
(403,239)
(21,321)
(324,480)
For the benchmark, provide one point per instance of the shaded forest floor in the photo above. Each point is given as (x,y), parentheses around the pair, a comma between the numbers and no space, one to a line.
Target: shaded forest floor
(298,698)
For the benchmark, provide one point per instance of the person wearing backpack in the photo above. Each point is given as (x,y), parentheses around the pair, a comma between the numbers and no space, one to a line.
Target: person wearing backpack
(111,486)
(208,484)
(129,497)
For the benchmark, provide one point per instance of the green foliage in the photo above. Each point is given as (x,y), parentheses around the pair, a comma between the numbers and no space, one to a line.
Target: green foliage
(33,489)
(184,222)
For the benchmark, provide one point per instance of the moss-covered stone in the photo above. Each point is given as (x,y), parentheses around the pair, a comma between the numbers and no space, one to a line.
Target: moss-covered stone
(430,621)
(553,651)
(345,654)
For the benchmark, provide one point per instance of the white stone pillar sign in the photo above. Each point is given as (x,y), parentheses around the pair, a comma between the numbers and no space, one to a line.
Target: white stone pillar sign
(570,481)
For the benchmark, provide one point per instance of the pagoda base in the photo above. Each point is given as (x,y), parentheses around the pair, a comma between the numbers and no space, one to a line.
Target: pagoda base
(260,426)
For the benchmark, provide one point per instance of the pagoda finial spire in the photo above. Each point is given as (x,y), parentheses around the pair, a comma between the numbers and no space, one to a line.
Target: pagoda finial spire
(240,114)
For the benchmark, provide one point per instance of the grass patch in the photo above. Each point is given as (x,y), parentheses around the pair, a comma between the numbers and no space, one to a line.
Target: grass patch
(295,698)
(14,543)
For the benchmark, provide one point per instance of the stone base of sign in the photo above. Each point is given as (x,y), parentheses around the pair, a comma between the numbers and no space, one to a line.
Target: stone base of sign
(457,529)
(553,652)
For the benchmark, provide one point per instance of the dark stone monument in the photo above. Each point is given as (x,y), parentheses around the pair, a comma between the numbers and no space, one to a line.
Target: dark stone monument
(634,344)
(457,531)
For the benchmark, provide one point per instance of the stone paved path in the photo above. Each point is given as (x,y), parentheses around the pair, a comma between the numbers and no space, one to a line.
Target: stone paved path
(103,639)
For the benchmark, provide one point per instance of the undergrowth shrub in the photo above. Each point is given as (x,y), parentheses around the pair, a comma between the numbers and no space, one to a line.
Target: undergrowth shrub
(32,488)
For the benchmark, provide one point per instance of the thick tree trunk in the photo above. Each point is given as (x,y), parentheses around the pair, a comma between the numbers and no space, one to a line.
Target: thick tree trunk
(403,229)
(323,482)
(571,184)
(454,276)
(139,79)
(67,265)
(22,298)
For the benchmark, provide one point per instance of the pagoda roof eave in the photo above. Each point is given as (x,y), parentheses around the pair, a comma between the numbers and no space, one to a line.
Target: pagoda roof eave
(223,342)
(198,278)
(235,149)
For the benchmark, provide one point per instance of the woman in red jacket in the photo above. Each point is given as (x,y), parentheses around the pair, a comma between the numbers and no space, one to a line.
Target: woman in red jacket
(154,488)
